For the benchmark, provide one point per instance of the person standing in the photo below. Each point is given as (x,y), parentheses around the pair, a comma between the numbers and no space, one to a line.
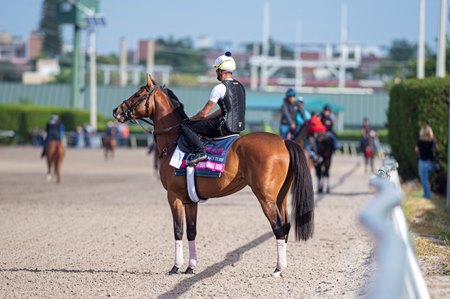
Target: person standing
(368,144)
(426,149)
(289,111)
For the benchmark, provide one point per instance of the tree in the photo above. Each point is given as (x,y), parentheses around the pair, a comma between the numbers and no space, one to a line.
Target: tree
(50,28)
(9,72)
(180,55)
(401,50)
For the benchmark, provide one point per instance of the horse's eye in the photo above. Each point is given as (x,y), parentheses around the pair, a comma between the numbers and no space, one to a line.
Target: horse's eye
(136,95)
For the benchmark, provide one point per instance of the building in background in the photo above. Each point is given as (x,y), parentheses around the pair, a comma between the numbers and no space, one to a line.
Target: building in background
(45,70)
(35,43)
(12,49)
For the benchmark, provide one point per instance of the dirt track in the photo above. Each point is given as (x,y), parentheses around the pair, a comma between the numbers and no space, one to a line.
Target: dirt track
(106,231)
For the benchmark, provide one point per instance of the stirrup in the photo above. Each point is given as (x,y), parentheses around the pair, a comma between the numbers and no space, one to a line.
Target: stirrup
(191,159)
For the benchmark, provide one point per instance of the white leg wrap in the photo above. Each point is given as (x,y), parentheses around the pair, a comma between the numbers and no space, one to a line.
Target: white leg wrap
(281,255)
(178,253)
(192,255)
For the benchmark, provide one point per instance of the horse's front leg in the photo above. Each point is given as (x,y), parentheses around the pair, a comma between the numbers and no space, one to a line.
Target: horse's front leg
(177,207)
(191,227)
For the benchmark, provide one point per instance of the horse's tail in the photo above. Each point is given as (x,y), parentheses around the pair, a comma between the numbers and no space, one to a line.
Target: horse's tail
(302,193)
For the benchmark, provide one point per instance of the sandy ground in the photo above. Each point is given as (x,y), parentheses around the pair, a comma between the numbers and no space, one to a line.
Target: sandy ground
(106,231)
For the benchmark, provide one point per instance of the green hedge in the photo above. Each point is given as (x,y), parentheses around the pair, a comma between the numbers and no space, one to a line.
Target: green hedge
(23,118)
(412,104)
(355,135)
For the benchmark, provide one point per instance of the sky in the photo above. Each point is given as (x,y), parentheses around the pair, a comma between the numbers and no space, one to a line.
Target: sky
(370,22)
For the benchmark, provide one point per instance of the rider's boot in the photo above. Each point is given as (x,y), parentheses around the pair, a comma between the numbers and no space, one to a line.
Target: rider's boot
(199,156)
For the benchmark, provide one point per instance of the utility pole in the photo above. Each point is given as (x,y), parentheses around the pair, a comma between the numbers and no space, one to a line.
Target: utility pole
(123,63)
(93,78)
(344,48)
(440,63)
(254,69)
(265,44)
(421,43)
(150,56)
(75,98)
(297,57)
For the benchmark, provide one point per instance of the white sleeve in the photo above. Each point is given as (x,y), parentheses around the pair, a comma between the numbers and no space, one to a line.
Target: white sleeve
(218,92)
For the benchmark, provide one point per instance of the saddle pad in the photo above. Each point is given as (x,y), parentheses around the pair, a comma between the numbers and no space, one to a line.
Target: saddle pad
(214,165)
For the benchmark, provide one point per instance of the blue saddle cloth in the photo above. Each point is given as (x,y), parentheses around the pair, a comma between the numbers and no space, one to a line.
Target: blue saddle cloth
(214,165)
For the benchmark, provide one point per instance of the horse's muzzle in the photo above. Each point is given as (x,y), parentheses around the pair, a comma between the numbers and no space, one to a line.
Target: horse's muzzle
(119,115)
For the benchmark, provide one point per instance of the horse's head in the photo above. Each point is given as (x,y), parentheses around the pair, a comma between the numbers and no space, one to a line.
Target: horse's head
(139,105)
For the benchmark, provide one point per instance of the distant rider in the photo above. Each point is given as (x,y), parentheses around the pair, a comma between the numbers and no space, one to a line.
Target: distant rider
(327,119)
(54,130)
(289,112)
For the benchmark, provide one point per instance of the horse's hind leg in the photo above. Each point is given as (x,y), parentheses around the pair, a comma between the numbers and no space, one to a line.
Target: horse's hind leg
(327,165)
(268,201)
(49,166)
(57,164)
(191,229)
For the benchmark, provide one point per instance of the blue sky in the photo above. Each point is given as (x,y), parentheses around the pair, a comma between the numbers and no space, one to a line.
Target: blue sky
(371,22)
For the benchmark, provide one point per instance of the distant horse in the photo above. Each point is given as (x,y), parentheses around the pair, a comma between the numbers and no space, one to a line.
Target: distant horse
(263,161)
(55,156)
(301,137)
(325,149)
(109,146)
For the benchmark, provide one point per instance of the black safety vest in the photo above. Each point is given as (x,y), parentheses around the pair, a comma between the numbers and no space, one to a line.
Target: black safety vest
(327,121)
(233,106)
(54,130)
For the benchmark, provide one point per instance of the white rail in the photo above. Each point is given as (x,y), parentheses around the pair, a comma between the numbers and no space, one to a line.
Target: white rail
(398,274)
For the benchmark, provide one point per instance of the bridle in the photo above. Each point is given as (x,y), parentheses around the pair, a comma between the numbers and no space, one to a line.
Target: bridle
(128,114)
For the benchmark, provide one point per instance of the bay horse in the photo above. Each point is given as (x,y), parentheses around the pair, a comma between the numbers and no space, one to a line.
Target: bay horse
(263,161)
(325,150)
(109,146)
(55,156)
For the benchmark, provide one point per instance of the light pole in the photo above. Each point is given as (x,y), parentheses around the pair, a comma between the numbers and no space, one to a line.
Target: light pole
(92,22)
(421,42)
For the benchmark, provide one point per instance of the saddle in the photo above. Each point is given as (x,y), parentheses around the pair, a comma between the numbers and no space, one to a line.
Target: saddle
(216,149)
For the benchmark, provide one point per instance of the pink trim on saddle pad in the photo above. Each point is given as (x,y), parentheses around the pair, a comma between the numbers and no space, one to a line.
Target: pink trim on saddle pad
(213,166)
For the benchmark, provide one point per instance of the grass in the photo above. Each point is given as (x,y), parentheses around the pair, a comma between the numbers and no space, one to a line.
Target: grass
(429,220)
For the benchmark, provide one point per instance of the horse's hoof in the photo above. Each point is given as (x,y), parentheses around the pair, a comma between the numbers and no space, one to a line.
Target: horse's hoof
(189,270)
(320,190)
(174,270)
(277,273)
(328,190)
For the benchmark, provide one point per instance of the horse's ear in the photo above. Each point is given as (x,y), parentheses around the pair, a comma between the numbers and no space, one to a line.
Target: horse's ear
(150,81)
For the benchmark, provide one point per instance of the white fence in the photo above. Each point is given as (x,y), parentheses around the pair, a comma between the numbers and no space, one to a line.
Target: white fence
(398,274)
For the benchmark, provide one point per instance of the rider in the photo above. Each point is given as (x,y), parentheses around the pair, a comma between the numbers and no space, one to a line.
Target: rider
(54,130)
(316,127)
(302,120)
(289,111)
(328,120)
(229,119)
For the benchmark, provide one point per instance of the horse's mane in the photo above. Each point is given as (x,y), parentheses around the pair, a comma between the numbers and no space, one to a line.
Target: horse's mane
(178,105)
